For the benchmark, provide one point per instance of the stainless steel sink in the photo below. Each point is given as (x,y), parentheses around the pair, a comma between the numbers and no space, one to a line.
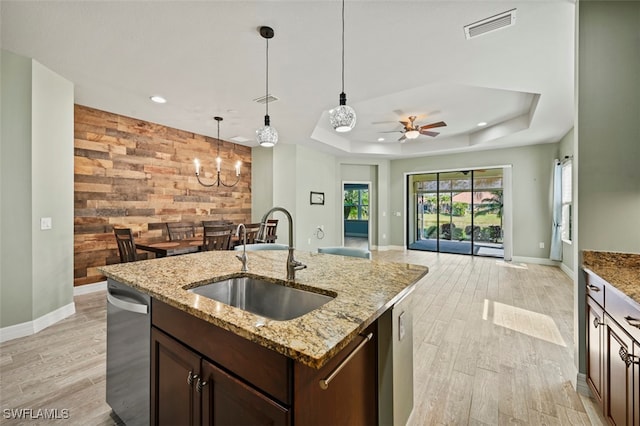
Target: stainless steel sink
(263,298)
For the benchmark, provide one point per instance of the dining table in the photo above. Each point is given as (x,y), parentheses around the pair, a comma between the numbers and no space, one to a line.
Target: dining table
(171,248)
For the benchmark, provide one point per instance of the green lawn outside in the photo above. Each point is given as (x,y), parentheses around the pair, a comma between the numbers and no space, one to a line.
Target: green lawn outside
(460,222)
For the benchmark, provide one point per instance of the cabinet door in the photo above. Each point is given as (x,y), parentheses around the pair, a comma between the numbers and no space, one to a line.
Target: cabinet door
(618,394)
(174,370)
(595,358)
(228,401)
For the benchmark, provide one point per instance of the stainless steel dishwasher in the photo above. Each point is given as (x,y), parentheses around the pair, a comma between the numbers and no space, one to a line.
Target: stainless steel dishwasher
(128,353)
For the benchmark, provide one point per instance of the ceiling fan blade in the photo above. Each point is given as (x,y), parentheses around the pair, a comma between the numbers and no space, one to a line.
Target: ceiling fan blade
(433,125)
(402,139)
(392,131)
(428,133)
(404,123)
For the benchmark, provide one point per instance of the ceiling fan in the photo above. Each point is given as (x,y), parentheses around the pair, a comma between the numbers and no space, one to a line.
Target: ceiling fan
(412,131)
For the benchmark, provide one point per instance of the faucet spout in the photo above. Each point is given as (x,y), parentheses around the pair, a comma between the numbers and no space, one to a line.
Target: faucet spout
(243,258)
(292,264)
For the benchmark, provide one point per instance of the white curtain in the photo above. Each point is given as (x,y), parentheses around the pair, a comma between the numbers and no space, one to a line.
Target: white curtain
(556,227)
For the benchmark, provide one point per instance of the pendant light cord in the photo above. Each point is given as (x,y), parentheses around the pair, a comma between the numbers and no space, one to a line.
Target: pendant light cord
(267,84)
(342,46)
(218,138)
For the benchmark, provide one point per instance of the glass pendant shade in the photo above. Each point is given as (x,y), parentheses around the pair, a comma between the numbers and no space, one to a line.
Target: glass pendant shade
(343,118)
(267,136)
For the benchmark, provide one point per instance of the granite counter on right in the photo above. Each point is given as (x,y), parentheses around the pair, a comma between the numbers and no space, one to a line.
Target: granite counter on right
(613,333)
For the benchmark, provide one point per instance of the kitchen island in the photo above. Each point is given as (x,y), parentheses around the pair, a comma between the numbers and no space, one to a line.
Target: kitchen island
(296,354)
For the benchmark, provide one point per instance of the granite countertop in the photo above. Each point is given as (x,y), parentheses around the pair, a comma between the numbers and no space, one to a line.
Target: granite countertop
(364,290)
(621,270)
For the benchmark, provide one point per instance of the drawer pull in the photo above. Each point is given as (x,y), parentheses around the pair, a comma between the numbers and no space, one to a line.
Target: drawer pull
(634,322)
(191,377)
(593,287)
(627,358)
(324,383)
(200,384)
(596,323)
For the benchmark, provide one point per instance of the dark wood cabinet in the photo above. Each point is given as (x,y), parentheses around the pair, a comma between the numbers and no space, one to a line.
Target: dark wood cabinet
(186,389)
(618,395)
(202,374)
(595,352)
(613,352)
(174,373)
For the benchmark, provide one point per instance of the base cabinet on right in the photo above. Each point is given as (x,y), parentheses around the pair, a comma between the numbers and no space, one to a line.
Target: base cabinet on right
(613,351)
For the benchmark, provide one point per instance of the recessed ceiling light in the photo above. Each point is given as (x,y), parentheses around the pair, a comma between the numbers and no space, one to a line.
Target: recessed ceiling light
(380,139)
(482,124)
(158,99)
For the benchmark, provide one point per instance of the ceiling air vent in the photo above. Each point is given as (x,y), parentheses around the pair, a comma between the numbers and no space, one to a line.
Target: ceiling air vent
(502,20)
(263,99)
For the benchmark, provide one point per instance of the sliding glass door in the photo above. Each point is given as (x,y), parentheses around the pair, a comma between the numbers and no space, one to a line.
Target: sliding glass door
(457,212)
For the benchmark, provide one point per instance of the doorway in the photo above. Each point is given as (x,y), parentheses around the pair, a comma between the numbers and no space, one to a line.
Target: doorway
(457,212)
(356,219)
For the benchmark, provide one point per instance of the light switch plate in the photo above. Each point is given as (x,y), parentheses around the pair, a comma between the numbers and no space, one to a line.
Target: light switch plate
(45,223)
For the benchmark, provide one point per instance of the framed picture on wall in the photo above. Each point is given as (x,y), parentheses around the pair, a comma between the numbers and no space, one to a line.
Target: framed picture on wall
(316,198)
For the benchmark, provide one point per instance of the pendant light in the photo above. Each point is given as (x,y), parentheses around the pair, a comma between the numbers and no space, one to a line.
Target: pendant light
(343,117)
(267,136)
(218,180)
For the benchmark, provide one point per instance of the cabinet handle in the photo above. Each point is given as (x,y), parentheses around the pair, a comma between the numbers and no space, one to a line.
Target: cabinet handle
(634,322)
(627,358)
(324,383)
(593,287)
(596,323)
(200,384)
(191,377)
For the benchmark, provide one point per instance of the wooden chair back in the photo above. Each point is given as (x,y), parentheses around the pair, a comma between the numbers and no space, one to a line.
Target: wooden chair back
(252,230)
(180,230)
(216,222)
(126,244)
(217,237)
(270,231)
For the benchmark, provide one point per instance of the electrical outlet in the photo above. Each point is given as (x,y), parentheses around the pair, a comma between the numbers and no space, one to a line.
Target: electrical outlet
(384,236)
(541,245)
(309,241)
(45,223)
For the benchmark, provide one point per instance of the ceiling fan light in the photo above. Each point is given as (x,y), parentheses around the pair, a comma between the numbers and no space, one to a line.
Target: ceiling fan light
(412,134)
(343,118)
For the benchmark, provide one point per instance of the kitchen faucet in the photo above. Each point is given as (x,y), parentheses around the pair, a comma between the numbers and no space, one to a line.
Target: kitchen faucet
(243,258)
(292,264)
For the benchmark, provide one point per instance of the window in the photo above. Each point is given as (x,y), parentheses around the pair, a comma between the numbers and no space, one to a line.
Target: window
(567,220)
(356,202)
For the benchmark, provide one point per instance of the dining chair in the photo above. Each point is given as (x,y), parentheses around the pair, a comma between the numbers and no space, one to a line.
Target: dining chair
(252,230)
(217,237)
(126,244)
(346,251)
(216,222)
(268,234)
(180,230)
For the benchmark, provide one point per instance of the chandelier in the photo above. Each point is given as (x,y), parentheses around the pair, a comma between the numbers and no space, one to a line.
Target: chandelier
(218,180)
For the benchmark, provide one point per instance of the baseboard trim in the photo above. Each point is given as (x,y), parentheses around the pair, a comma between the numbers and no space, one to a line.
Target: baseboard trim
(32,327)
(567,271)
(89,288)
(535,260)
(581,385)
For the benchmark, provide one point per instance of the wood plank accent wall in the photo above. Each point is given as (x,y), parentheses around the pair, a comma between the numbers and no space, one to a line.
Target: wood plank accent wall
(136,174)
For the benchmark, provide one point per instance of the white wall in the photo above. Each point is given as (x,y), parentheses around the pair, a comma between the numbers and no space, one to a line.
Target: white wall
(261,182)
(37,181)
(531,177)
(608,135)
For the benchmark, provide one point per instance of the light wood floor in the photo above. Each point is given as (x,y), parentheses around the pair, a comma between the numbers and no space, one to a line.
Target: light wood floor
(493,344)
